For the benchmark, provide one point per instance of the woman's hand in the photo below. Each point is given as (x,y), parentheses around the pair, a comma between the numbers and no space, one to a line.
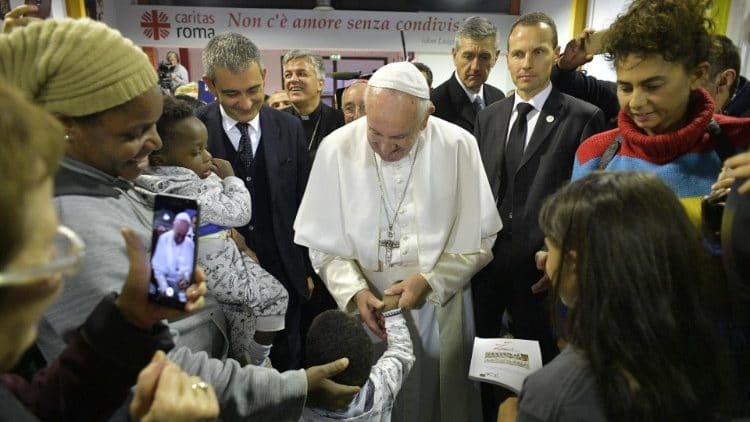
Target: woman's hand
(165,393)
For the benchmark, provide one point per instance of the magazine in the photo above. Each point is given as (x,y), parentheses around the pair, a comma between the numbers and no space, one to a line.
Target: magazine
(504,361)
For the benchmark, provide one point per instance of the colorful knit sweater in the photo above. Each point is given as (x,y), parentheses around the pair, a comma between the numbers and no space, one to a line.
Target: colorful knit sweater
(685,159)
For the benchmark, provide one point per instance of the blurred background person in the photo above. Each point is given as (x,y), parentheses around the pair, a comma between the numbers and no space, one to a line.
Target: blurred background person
(426,72)
(279,100)
(353,100)
(175,73)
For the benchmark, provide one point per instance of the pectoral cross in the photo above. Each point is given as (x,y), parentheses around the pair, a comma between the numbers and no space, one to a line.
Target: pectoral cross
(389,245)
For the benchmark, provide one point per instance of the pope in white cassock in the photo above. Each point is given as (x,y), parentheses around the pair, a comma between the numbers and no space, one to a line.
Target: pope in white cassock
(398,203)
(172,261)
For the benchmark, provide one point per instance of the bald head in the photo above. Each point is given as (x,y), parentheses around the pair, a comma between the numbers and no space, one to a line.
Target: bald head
(353,100)
(279,100)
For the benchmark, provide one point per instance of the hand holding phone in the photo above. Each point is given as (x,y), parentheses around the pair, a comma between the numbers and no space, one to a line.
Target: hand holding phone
(133,302)
(173,249)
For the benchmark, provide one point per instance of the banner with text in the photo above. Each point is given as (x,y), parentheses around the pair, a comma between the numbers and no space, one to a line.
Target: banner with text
(283,29)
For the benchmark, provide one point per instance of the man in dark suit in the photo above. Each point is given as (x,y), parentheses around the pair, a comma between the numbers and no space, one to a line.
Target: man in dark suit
(475,52)
(304,76)
(267,150)
(527,143)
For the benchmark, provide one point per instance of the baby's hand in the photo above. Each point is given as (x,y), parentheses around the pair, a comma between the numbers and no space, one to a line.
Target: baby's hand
(222,168)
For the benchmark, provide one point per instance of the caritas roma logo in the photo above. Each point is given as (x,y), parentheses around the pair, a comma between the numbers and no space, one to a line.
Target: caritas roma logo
(155,25)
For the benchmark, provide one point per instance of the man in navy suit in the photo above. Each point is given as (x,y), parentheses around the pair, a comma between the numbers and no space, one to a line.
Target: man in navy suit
(267,150)
(459,99)
(527,143)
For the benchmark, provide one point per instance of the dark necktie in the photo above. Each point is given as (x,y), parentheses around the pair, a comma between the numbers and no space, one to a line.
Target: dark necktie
(477,104)
(514,153)
(246,147)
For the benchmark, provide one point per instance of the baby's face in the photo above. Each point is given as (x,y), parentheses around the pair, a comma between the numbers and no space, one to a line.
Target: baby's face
(190,140)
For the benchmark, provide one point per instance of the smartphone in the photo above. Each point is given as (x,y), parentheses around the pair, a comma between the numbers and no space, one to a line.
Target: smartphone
(594,42)
(174,246)
(43,8)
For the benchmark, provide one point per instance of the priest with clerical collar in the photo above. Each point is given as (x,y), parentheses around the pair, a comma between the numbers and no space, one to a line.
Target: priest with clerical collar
(304,78)
(409,211)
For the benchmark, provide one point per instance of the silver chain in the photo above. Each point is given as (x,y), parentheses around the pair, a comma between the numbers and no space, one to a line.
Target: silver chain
(383,197)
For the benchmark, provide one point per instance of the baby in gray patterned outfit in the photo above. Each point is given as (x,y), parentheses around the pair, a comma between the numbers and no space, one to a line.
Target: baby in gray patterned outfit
(253,300)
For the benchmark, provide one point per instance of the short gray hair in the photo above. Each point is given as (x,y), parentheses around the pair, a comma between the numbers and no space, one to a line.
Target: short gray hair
(232,51)
(475,28)
(313,59)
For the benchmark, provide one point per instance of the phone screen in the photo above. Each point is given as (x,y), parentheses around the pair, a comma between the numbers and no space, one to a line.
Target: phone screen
(44,7)
(173,249)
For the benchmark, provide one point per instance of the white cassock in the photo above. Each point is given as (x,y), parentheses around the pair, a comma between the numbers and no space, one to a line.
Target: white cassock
(445,229)
(171,261)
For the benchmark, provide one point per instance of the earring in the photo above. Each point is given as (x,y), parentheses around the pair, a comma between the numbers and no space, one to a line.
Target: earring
(67,137)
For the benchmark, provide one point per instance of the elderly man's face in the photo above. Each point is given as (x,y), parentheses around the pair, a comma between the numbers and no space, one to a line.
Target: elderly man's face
(279,100)
(180,229)
(392,123)
(354,102)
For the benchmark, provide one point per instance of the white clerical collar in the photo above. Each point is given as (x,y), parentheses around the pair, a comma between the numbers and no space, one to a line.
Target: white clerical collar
(537,101)
(472,95)
(228,123)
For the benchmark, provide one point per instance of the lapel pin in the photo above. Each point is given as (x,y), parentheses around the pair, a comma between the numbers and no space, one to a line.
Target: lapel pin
(550,119)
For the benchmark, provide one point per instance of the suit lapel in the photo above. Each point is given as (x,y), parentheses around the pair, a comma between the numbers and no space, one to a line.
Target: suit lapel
(549,118)
(460,101)
(218,140)
(497,151)
(504,111)
(270,137)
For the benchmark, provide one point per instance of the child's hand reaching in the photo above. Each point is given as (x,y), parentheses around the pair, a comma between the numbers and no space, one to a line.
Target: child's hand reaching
(222,168)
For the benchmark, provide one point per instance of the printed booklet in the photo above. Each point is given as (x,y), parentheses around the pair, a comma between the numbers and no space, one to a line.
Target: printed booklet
(504,361)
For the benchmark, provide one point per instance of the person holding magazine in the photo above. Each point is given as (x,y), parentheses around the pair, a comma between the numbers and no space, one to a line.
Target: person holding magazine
(641,346)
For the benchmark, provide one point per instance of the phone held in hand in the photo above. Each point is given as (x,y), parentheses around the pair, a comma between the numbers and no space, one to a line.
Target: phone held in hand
(173,249)
(43,8)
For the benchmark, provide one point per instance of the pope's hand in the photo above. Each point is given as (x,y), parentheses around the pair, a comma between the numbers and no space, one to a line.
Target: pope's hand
(413,290)
(368,304)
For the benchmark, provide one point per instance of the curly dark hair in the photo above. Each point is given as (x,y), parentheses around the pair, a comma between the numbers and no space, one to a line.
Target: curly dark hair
(174,111)
(640,315)
(335,335)
(678,30)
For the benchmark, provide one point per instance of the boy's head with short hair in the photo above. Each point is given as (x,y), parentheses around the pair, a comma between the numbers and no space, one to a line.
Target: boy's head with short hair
(334,335)
(184,139)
